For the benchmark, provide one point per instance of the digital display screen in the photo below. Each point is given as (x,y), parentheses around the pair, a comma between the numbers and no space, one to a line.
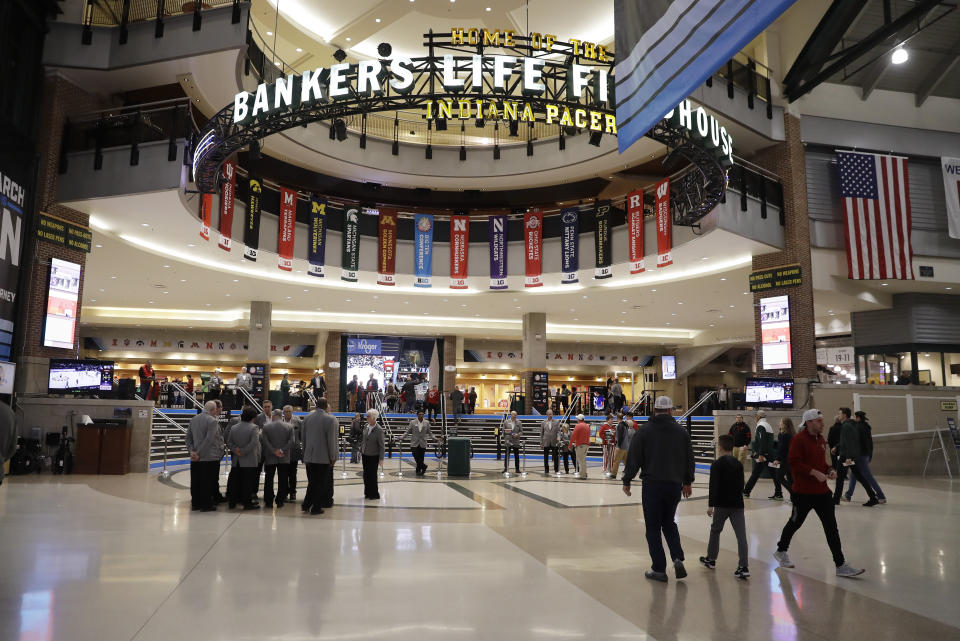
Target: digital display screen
(769,391)
(775,332)
(70,376)
(63,292)
(668,365)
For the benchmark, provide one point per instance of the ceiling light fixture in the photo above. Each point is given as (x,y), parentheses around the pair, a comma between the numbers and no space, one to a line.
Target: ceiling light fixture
(899,56)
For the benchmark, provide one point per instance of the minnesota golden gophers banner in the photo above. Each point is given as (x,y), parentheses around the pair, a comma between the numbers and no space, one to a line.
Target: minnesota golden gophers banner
(206,207)
(387,247)
(228,188)
(459,249)
(288,221)
(635,230)
(533,247)
(664,224)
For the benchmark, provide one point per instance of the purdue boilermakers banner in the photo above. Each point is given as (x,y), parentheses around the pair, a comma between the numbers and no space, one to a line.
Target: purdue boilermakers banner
(387,248)
(251,228)
(206,208)
(601,241)
(288,221)
(570,246)
(664,224)
(423,250)
(317,242)
(497,231)
(228,188)
(635,231)
(459,251)
(533,248)
(350,262)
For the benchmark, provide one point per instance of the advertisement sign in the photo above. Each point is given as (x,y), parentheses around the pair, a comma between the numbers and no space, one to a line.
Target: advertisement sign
(13,199)
(664,224)
(786,276)
(459,251)
(251,227)
(54,229)
(668,367)
(227,191)
(206,207)
(540,389)
(570,246)
(350,263)
(601,241)
(635,231)
(258,372)
(368,346)
(317,242)
(533,248)
(288,221)
(775,332)
(387,248)
(497,230)
(63,293)
(423,250)
(835,356)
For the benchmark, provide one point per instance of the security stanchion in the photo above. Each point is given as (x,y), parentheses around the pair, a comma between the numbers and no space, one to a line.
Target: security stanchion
(165,474)
(343,460)
(400,459)
(523,445)
(442,453)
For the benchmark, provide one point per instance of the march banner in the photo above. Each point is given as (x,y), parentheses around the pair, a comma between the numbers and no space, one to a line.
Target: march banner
(570,246)
(601,241)
(387,248)
(206,213)
(423,250)
(635,231)
(251,229)
(951,188)
(228,189)
(533,248)
(317,243)
(459,250)
(497,232)
(15,199)
(664,224)
(350,263)
(288,221)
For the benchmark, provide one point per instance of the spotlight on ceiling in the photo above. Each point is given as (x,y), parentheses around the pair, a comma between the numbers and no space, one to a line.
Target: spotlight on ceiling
(333,131)
(480,123)
(496,152)
(429,152)
(899,56)
(463,152)
(339,55)
(363,141)
(595,137)
(570,131)
(384,49)
(254,150)
(563,141)
(341,128)
(395,149)
(529,147)
(441,124)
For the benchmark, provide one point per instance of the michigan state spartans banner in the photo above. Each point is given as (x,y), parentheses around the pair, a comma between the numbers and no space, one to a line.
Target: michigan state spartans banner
(228,188)
(387,248)
(423,250)
(251,227)
(351,245)
(288,221)
(459,251)
(601,241)
(570,245)
(533,248)
(317,242)
(497,231)
(635,230)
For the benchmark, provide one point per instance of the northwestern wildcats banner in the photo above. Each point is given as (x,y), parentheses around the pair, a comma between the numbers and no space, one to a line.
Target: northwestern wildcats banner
(570,246)
(317,242)
(423,250)
(459,251)
(251,228)
(350,263)
(497,230)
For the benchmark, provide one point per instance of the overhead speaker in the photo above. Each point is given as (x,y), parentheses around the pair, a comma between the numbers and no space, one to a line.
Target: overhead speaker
(514,127)
(595,137)
(384,49)
(395,149)
(563,141)
(341,129)
(496,152)
(463,152)
(441,124)
(339,55)
(529,147)
(429,152)
(480,123)
(254,150)
(363,141)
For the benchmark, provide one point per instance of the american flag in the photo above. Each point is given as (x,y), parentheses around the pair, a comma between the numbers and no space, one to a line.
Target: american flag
(876,212)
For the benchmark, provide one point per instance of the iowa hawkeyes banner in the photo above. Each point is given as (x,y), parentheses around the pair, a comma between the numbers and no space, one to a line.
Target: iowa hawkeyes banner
(288,221)
(497,231)
(601,241)
(570,246)
(206,207)
(251,228)
(350,263)
(459,251)
(387,248)
(635,230)
(317,242)
(423,250)
(664,229)
(228,188)
(533,248)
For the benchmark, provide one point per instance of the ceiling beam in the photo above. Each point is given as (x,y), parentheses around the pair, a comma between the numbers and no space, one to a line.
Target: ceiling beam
(937,73)
(873,74)
(826,36)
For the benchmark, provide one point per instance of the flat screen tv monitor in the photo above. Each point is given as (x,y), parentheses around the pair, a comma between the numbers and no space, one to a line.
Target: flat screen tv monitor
(668,365)
(7,374)
(80,376)
(63,293)
(769,392)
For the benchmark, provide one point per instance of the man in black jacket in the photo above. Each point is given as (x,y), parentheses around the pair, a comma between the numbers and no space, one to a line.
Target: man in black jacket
(661,451)
(742,436)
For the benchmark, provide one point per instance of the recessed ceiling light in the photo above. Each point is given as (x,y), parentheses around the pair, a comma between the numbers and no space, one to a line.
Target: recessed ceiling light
(673,314)
(183,280)
(731,306)
(236,280)
(299,50)
(378,19)
(723,279)
(948,287)
(228,294)
(190,245)
(666,323)
(348,39)
(166,292)
(463,304)
(584,295)
(150,301)
(624,312)
(99,245)
(489,9)
(712,325)
(653,290)
(679,303)
(623,300)
(883,284)
(166,266)
(144,224)
(111,278)
(93,300)
(518,307)
(208,304)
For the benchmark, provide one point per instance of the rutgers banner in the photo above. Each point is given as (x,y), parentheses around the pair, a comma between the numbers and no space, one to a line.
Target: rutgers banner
(423,250)
(206,207)
(288,221)
(570,246)
(350,262)
(601,241)
(533,247)
(664,228)
(251,228)
(317,242)
(387,248)
(459,248)
(497,231)
(635,230)
(228,187)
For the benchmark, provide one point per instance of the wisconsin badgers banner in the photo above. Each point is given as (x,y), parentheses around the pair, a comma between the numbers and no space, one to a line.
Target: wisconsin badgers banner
(317,243)
(664,224)
(533,247)
(288,221)
(422,250)
(951,187)
(228,188)
(251,230)
(497,231)
(601,241)
(350,263)
(387,247)
(459,249)
(570,245)
(635,230)
(206,207)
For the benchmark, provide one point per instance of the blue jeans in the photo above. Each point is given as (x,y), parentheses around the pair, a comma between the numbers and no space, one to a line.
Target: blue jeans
(863,462)
(660,500)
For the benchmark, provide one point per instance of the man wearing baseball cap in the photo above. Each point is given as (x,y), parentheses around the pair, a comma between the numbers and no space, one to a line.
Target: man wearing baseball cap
(808,462)
(662,453)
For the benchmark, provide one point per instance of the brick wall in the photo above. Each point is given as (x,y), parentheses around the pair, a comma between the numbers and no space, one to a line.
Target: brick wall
(449,358)
(332,376)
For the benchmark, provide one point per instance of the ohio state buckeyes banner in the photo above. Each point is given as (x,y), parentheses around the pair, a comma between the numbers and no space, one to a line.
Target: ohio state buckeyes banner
(251,228)
(635,230)
(664,224)
(228,188)
(350,262)
(601,241)
(387,247)
(288,221)
(570,245)
(533,247)
(497,231)
(206,208)
(459,250)
(423,250)
(317,242)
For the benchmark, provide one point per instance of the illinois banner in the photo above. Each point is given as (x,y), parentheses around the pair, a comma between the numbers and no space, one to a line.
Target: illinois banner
(570,245)
(601,241)
(350,263)
(533,247)
(459,249)
(387,247)
(422,250)
(664,224)
(228,188)
(317,243)
(635,230)
(251,229)
(206,207)
(288,221)
(497,231)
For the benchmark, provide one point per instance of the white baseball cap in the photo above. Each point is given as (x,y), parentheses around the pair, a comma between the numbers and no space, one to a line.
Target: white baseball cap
(810,415)
(663,403)
(761,414)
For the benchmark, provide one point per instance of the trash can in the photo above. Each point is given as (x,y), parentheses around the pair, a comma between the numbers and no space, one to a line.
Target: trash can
(458,456)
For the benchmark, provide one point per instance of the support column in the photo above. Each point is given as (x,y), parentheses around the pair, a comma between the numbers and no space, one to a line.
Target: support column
(449,358)
(258,340)
(534,353)
(331,354)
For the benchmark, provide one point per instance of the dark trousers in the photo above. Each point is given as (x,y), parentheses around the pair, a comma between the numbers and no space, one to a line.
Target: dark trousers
(564,453)
(660,500)
(841,479)
(242,485)
(785,478)
(432,410)
(418,453)
(203,483)
(328,487)
(857,473)
(823,505)
(318,475)
(292,478)
(516,457)
(556,459)
(371,489)
(282,470)
(758,469)
(564,403)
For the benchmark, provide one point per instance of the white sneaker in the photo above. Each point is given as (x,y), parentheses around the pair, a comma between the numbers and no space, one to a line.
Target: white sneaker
(784,560)
(848,572)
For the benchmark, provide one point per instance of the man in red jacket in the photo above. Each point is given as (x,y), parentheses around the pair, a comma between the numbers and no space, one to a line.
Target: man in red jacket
(808,462)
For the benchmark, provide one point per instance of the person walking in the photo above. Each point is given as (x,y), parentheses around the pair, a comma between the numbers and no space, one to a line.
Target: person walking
(433,403)
(296,452)
(833,442)
(320,452)
(419,431)
(371,451)
(512,433)
(763,453)
(616,394)
(409,395)
(549,441)
(782,470)
(456,401)
(356,436)
(214,385)
(725,501)
(740,432)
(277,442)
(472,401)
(353,387)
(808,461)
(663,455)
(565,451)
(147,378)
(579,442)
(723,397)
(285,389)
(608,439)
(205,444)
(318,384)
(243,441)
(625,431)
(865,458)
(852,455)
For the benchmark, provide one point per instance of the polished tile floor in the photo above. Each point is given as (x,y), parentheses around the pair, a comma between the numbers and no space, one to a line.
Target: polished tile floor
(534,557)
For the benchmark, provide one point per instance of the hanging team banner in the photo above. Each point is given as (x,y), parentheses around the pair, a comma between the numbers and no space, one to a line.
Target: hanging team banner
(228,188)
(423,250)
(635,230)
(288,220)
(570,245)
(387,248)
(533,246)
(350,264)
(601,241)
(951,188)
(497,231)
(251,230)
(206,209)
(318,236)
(459,248)
(664,228)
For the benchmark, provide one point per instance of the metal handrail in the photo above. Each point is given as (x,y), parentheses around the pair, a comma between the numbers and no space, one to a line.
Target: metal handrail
(636,405)
(180,389)
(703,399)
(250,398)
(163,416)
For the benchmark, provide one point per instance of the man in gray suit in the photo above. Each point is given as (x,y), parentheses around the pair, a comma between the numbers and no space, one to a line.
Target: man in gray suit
(371,451)
(512,432)
(295,453)
(320,452)
(244,444)
(277,442)
(418,431)
(205,444)
(549,441)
